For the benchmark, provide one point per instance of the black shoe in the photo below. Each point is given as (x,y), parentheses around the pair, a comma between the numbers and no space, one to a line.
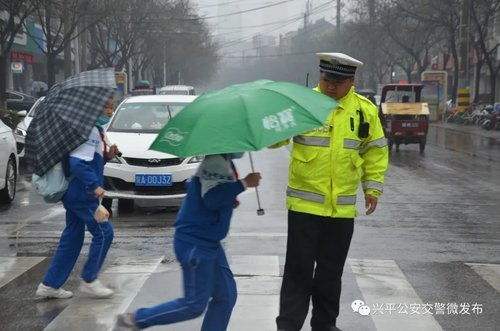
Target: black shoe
(330,328)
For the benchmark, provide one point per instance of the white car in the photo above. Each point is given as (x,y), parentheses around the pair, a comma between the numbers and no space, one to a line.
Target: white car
(22,127)
(177,90)
(8,164)
(139,175)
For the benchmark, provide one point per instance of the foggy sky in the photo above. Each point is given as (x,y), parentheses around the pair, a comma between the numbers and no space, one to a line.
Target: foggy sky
(228,27)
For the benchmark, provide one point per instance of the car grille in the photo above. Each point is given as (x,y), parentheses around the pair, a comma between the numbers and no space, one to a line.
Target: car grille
(117,184)
(153,162)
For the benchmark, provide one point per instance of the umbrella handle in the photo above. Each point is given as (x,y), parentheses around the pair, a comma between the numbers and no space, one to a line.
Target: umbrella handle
(260,211)
(106,140)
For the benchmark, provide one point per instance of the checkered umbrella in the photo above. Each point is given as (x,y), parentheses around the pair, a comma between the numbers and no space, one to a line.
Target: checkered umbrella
(66,116)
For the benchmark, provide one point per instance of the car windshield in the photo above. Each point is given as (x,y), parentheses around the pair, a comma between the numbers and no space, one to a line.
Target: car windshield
(400,96)
(144,117)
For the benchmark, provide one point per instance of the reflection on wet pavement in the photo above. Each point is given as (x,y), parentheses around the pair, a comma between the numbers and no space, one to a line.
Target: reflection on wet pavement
(474,141)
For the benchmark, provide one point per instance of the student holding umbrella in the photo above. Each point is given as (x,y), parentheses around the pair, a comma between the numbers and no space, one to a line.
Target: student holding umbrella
(81,201)
(66,129)
(202,222)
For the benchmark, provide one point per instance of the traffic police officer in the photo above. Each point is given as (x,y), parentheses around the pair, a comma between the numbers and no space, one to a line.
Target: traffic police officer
(326,167)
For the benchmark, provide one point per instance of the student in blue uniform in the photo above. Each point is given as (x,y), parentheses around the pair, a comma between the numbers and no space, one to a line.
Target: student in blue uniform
(86,166)
(202,222)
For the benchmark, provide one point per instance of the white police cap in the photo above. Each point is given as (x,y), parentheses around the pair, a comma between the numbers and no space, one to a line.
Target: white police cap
(337,66)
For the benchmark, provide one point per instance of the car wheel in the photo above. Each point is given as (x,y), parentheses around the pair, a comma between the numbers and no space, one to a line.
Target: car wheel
(125,205)
(8,193)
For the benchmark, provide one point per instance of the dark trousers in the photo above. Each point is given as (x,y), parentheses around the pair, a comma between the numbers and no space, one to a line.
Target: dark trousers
(324,241)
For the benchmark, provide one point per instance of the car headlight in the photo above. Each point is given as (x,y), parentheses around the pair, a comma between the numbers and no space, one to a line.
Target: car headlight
(115,160)
(196,159)
(20,132)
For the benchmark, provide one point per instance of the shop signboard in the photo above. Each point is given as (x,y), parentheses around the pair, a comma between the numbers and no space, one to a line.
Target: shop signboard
(16,67)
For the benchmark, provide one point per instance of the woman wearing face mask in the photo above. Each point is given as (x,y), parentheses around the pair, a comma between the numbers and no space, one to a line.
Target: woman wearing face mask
(202,222)
(85,167)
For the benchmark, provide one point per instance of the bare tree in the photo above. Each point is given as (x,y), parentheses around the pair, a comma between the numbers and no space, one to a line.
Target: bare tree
(16,12)
(483,13)
(115,39)
(444,14)
(59,20)
(152,35)
(412,36)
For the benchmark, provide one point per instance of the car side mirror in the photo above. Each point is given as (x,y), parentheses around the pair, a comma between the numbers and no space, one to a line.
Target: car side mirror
(22,113)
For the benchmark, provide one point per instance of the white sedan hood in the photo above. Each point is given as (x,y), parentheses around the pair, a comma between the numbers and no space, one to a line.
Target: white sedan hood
(136,145)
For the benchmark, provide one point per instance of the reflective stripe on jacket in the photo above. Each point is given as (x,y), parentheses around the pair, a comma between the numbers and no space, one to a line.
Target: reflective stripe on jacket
(328,163)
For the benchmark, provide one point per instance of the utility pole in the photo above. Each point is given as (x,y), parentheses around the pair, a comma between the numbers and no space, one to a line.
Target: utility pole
(67,47)
(77,54)
(371,54)
(83,43)
(464,37)
(165,65)
(339,5)
(307,13)
(463,93)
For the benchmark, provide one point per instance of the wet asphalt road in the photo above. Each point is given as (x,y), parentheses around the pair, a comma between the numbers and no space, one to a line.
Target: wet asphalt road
(434,239)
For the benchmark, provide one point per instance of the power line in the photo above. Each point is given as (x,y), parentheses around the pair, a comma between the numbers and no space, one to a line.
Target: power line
(259,25)
(243,39)
(309,30)
(268,56)
(293,19)
(228,3)
(197,18)
(248,10)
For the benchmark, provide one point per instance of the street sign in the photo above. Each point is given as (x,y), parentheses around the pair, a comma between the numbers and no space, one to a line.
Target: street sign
(121,85)
(440,77)
(17,67)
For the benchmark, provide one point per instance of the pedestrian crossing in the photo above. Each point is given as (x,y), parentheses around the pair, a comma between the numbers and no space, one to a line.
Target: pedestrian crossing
(381,285)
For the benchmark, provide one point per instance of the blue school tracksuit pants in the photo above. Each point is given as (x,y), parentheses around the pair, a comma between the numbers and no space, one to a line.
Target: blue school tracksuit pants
(207,281)
(71,243)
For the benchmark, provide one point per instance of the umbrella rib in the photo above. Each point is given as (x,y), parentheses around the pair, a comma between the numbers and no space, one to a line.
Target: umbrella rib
(247,121)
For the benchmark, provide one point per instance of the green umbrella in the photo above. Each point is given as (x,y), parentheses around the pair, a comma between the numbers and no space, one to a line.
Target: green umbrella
(243,117)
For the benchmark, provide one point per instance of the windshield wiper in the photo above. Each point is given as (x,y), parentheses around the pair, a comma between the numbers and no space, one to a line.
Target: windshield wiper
(169,112)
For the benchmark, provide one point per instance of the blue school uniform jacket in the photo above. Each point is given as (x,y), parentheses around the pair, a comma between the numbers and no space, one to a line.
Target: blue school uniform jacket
(86,167)
(206,212)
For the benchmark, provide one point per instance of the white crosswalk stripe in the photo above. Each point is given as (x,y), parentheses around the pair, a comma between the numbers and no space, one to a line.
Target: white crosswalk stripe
(489,272)
(126,275)
(258,278)
(258,281)
(13,267)
(382,282)
(255,265)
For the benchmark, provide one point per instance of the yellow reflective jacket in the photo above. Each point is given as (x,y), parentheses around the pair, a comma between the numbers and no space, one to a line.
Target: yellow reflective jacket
(328,163)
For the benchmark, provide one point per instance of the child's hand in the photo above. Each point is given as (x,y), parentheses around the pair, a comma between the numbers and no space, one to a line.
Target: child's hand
(113,151)
(99,192)
(252,179)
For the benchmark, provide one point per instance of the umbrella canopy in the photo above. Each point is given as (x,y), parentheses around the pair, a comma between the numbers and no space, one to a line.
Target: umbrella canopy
(243,117)
(66,116)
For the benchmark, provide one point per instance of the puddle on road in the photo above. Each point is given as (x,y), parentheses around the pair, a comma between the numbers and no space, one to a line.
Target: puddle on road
(465,142)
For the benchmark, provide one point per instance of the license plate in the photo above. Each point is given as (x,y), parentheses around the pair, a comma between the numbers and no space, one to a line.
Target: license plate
(153,180)
(409,125)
